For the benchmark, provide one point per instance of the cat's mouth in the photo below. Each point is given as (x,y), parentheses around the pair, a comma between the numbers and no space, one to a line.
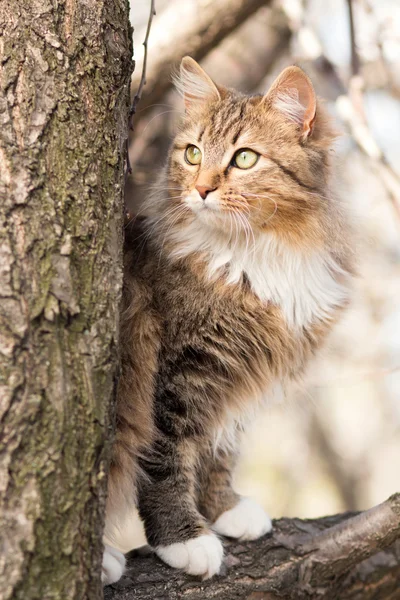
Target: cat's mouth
(205,208)
(210,216)
(211,207)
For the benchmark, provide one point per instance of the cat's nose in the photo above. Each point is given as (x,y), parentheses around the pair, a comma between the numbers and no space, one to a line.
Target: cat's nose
(204,190)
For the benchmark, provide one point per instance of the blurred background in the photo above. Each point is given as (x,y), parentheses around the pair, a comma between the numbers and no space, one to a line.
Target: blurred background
(334,445)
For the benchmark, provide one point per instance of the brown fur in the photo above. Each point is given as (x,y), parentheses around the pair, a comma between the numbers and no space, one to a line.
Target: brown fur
(198,352)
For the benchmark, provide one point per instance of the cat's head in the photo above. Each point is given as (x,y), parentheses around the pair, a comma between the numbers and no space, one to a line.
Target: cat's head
(251,162)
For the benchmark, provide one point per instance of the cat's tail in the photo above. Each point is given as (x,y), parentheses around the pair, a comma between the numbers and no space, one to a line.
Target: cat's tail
(123,532)
(123,529)
(113,566)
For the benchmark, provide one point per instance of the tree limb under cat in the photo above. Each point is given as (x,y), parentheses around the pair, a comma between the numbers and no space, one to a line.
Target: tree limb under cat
(348,557)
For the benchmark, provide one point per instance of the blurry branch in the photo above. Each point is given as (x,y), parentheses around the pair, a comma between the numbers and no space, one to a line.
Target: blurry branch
(351,109)
(142,82)
(245,58)
(355,61)
(351,557)
(194,30)
(346,544)
(133,108)
(350,106)
(345,481)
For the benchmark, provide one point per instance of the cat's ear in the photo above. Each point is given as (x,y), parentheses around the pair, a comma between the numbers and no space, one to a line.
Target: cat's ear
(194,84)
(292,93)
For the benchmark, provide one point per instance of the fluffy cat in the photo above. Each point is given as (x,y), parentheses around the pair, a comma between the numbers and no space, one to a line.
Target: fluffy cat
(231,285)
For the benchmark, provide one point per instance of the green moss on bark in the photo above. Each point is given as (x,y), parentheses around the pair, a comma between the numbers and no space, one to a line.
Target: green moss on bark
(64,94)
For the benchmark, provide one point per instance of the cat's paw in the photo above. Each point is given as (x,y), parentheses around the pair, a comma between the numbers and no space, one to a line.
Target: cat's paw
(245,521)
(113,565)
(198,556)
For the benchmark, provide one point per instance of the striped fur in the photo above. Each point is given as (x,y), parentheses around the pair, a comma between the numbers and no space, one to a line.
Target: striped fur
(226,299)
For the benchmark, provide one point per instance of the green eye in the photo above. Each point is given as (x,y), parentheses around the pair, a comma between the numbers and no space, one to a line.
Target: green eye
(245,158)
(193,155)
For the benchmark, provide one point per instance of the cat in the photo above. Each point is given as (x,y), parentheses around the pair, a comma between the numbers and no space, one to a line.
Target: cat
(232,283)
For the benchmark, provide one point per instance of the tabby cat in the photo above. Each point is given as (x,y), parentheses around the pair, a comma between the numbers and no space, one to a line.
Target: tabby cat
(232,283)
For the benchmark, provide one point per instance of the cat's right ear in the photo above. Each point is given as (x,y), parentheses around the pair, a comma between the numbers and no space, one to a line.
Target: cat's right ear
(195,85)
(292,93)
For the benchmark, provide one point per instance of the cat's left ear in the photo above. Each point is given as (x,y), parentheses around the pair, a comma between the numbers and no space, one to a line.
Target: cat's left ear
(195,85)
(292,93)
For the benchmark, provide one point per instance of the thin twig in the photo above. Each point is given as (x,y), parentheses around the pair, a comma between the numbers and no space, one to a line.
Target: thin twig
(359,124)
(355,60)
(143,77)
(201,28)
(128,162)
(343,477)
(136,100)
(351,109)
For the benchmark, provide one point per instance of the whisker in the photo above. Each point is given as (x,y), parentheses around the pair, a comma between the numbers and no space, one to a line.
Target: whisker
(148,203)
(236,231)
(175,219)
(231,228)
(162,187)
(154,225)
(159,115)
(151,105)
(149,232)
(268,198)
(315,194)
(274,213)
(241,218)
(253,238)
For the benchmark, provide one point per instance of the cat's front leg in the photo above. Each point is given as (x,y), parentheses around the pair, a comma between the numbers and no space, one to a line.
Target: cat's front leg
(232,515)
(166,501)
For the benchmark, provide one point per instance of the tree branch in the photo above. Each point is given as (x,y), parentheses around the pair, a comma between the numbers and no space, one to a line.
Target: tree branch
(142,82)
(136,101)
(355,60)
(349,556)
(350,106)
(202,29)
(335,551)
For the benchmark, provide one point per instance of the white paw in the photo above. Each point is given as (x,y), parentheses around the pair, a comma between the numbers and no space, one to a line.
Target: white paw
(245,521)
(198,556)
(113,565)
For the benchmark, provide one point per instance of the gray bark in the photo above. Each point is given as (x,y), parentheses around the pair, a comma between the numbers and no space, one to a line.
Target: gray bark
(65,70)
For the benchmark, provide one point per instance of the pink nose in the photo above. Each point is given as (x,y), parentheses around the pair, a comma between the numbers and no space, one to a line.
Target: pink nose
(204,190)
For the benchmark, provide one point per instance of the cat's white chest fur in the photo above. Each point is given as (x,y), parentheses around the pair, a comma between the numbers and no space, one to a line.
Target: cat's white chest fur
(303,284)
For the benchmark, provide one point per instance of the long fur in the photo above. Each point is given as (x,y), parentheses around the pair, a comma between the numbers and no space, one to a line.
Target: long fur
(226,299)
(304,284)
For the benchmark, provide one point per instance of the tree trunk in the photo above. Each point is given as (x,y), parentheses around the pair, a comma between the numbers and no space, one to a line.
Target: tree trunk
(65,70)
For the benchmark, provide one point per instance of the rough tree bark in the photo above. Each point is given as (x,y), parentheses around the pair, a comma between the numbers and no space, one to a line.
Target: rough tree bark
(65,67)
(64,72)
(345,557)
